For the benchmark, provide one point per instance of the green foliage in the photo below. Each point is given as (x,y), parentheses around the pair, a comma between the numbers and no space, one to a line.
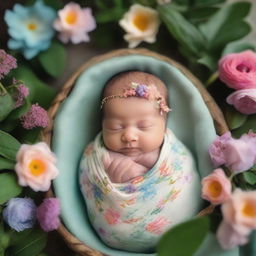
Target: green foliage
(189,37)
(249,124)
(54,59)
(38,91)
(6,103)
(234,118)
(250,177)
(29,243)
(8,187)
(6,164)
(8,146)
(226,25)
(190,233)
(236,47)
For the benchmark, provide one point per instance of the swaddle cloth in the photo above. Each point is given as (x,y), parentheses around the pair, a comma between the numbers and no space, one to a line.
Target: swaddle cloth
(132,216)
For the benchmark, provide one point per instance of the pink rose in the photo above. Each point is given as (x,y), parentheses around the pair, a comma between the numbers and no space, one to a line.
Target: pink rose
(216,187)
(228,238)
(217,147)
(36,166)
(239,155)
(244,101)
(238,70)
(240,211)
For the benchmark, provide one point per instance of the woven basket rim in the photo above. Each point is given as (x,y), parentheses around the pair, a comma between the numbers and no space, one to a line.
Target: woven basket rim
(46,134)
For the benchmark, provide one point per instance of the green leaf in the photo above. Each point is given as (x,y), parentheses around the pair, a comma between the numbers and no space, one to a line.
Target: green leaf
(236,47)
(184,239)
(209,61)
(6,164)
(250,177)
(199,14)
(31,245)
(234,118)
(30,136)
(226,24)
(249,124)
(9,187)
(8,146)
(54,59)
(18,112)
(39,92)
(208,2)
(182,30)
(6,103)
(108,15)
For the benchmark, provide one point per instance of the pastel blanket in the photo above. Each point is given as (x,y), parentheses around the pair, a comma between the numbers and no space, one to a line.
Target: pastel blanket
(132,216)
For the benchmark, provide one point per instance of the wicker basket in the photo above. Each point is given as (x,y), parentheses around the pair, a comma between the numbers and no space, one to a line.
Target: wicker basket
(46,135)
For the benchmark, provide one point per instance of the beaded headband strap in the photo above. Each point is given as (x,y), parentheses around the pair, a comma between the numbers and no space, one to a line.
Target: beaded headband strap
(148,92)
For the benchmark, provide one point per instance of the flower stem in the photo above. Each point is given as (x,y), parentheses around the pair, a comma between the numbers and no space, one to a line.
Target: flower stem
(3,91)
(212,79)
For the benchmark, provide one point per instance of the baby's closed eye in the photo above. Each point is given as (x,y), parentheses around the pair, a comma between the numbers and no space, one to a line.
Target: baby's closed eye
(144,125)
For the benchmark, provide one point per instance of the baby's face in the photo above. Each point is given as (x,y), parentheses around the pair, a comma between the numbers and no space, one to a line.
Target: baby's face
(132,126)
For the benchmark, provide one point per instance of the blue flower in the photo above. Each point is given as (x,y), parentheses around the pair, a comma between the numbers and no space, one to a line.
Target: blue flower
(30,28)
(20,213)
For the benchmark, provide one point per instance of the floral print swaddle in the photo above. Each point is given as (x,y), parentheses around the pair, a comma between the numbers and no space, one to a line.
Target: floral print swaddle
(132,216)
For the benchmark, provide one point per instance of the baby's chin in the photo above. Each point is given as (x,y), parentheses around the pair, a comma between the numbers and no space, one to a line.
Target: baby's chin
(130,152)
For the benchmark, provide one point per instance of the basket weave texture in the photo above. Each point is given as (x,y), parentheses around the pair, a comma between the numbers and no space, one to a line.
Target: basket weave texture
(46,135)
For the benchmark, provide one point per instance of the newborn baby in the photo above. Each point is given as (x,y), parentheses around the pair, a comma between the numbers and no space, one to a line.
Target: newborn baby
(137,178)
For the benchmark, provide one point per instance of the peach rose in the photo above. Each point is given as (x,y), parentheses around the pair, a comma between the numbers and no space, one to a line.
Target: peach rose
(238,70)
(240,211)
(228,238)
(74,23)
(36,166)
(216,187)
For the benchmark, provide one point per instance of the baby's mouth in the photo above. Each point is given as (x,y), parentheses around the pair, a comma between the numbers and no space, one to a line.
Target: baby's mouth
(130,150)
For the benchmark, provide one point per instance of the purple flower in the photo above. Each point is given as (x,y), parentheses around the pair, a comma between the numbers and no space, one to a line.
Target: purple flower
(7,63)
(244,101)
(217,147)
(22,93)
(141,90)
(48,214)
(35,117)
(237,154)
(20,213)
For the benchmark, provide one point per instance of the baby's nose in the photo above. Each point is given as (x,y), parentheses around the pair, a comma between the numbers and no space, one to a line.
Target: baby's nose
(129,135)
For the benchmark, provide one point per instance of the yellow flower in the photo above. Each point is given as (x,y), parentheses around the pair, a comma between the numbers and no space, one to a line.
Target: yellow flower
(141,24)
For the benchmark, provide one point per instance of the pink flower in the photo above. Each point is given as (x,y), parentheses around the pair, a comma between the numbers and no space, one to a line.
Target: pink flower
(22,93)
(48,214)
(36,166)
(237,154)
(243,100)
(216,187)
(228,238)
(217,147)
(112,217)
(35,117)
(74,23)
(158,226)
(238,70)
(240,155)
(7,63)
(240,211)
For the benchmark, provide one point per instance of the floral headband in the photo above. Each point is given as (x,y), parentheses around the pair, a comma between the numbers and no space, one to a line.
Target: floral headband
(148,92)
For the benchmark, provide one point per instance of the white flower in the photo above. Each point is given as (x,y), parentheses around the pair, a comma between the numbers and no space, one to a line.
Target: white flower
(141,24)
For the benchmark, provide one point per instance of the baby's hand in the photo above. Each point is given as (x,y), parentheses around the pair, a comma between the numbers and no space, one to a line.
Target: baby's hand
(121,169)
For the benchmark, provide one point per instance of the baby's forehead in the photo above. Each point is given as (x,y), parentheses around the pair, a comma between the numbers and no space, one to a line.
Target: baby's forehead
(125,80)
